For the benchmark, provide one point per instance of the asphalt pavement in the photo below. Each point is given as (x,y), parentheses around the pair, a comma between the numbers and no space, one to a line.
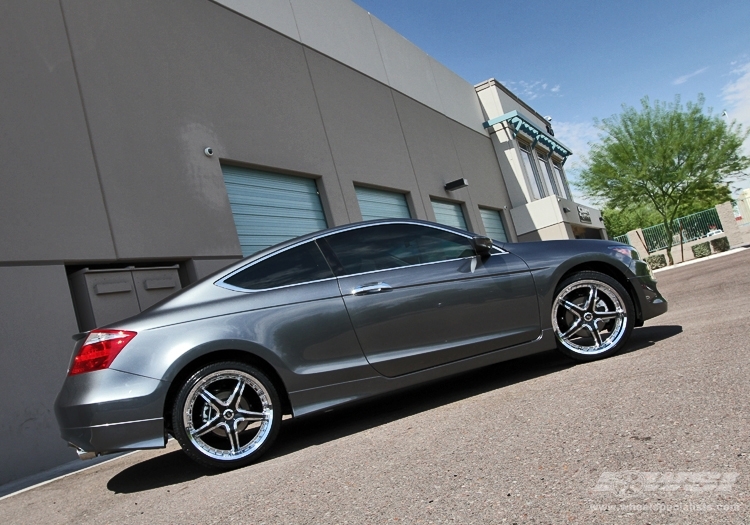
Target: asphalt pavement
(657,434)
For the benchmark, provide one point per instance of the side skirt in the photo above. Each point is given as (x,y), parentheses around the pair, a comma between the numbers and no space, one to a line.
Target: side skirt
(323,398)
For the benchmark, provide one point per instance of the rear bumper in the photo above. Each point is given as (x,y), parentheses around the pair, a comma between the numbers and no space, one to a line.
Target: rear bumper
(110,411)
(102,439)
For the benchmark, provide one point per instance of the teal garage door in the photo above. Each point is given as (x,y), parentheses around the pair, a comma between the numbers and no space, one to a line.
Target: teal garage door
(493,224)
(381,204)
(449,213)
(270,208)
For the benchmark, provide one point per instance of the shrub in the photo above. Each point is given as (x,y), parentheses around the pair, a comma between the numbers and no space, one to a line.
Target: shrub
(656,261)
(720,245)
(701,250)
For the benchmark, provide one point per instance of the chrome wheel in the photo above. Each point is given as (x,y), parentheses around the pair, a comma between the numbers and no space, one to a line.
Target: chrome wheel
(226,415)
(590,317)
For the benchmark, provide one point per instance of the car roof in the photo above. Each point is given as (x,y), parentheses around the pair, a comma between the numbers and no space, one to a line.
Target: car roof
(362,224)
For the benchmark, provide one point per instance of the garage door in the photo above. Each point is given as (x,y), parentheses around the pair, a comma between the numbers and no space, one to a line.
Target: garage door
(449,213)
(381,204)
(269,208)
(493,224)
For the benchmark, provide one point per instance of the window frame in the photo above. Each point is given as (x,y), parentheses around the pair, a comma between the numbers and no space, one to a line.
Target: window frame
(223,284)
(334,264)
(501,215)
(544,161)
(557,167)
(535,176)
(406,194)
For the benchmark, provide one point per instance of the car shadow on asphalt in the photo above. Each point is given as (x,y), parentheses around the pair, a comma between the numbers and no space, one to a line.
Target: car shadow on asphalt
(648,336)
(300,433)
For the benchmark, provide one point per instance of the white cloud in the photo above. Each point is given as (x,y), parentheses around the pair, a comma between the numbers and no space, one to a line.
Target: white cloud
(684,78)
(576,136)
(529,91)
(736,94)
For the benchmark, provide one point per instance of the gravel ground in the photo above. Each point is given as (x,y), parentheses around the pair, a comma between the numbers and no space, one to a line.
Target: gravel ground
(537,440)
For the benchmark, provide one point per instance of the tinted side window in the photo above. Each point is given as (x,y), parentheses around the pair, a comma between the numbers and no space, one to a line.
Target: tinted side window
(297,265)
(394,245)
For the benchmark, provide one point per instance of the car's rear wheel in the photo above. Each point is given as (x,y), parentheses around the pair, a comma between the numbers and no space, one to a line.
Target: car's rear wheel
(592,316)
(226,415)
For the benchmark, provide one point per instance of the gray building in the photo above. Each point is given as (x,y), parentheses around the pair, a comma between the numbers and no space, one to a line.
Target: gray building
(147,144)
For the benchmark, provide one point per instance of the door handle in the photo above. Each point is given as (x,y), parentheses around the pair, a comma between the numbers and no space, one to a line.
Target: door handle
(371,288)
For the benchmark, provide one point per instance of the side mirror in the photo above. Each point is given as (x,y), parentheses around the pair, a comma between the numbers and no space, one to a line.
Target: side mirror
(482,245)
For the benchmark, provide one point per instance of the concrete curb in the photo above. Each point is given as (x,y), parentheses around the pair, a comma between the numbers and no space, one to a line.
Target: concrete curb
(695,261)
(48,476)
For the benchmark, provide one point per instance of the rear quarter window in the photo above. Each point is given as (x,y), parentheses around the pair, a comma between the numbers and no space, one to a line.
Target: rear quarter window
(301,264)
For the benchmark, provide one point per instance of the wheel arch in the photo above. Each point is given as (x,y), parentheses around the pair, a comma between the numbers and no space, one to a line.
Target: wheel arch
(215,356)
(611,271)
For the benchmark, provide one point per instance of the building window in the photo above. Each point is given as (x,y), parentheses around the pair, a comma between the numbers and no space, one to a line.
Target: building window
(562,182)
(450,213)
(381,204)
(547,169)
(269,208)
(493,224)
(535,181)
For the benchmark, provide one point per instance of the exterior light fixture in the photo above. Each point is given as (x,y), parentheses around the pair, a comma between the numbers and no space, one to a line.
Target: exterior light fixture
(456,184)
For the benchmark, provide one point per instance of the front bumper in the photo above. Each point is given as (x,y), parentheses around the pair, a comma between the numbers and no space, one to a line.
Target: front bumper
(110,411)
(651,301)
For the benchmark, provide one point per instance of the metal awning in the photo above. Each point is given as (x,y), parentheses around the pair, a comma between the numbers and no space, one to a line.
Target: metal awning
(519,122)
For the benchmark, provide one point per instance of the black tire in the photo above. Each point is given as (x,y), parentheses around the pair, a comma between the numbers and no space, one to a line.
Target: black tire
(226,415)
(592,316)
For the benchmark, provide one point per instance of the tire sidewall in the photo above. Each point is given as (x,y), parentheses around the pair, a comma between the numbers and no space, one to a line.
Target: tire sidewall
(178,427)
(627,302)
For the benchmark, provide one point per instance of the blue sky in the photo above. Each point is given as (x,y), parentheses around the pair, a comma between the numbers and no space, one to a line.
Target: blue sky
(579,60)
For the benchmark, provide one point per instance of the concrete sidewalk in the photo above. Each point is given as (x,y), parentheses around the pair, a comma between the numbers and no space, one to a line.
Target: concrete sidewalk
(42,478)
(702,259)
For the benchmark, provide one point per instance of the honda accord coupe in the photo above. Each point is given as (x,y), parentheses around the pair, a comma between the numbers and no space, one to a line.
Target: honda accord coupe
(334,317)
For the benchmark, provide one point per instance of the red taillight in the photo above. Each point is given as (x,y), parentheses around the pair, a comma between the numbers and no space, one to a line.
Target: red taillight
(99,350)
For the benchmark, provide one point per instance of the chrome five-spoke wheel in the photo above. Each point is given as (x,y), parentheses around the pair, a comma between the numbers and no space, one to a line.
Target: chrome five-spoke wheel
(592,316)
(226,415)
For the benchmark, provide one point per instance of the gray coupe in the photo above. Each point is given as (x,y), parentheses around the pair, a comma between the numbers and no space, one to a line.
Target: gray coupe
(335,317)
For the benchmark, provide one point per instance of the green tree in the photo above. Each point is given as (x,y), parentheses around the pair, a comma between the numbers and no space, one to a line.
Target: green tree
(664,156)
(620,221)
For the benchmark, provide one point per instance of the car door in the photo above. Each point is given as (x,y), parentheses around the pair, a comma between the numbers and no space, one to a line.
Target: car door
(294,307)
(419,296)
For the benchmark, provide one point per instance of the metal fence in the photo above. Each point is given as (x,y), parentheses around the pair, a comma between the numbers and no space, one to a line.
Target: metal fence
(622,238)
(691,227)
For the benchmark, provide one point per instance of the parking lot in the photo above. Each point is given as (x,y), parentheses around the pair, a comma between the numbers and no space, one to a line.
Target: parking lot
(658,434)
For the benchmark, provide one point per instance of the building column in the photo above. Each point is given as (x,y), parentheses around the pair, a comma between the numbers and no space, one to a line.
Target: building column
(635,238)
(729,224)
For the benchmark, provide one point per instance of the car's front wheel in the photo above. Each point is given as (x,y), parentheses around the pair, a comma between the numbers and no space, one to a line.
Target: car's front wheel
(592,316)
(226,415)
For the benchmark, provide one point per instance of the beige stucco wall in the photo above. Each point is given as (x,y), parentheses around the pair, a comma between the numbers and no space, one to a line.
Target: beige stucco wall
(549,211)
(743,203)
(729,224)
(550,233)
